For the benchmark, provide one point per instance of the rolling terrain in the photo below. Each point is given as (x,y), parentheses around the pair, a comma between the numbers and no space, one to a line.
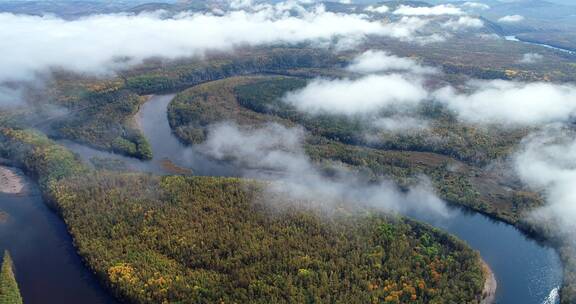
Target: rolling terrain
(322,155)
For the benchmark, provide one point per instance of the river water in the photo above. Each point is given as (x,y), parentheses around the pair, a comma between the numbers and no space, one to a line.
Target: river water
(46,264)
(514,38)
(526,271)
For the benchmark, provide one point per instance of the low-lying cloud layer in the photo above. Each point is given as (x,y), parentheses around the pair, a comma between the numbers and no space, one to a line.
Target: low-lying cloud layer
(512,103)
(438,10)
(382,9)
(275,152)
(529,58)
(101,43)
(9,96)
(511,19)
(547,163)
(373,61)
(464,22)
(391,83)
(357,96)
(475,6)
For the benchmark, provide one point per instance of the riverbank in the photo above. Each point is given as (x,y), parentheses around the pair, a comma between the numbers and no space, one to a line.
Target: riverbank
(490,285)
(48,267)
(10,181)
(520,280)
(534,42)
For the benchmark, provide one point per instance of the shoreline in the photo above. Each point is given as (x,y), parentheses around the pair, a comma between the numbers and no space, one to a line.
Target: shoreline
(136,119)
(10,181)
(490,284)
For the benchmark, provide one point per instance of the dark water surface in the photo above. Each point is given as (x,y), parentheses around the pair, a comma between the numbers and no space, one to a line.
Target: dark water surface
(514,38)
(153,121)
(47,267)
(527,272)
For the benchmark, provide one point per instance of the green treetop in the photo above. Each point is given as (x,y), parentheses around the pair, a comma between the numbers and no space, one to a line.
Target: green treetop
(9,292)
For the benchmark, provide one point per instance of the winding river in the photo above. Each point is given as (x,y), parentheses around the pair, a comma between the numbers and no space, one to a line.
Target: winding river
(526,271)
(46,264)
(516,39)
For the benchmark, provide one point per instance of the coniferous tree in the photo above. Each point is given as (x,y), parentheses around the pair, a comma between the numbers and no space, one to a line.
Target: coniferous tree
(9,292)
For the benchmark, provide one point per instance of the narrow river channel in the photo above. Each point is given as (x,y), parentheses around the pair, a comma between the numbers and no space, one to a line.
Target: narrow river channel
(46,264)
(526,271)
(516,39)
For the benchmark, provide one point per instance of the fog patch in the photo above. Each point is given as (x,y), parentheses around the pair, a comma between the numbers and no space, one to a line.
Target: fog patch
(377,9)
(357,96)
(488,36)
(438,10)
(475,6)
(373,61)
(530,58)
(10,97)
(401,124)
(547,164)
(462,23)
(511,19)
(101,44)
(275,152)
(510,103)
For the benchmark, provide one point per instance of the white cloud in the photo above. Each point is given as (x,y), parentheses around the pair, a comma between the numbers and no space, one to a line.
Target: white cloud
(513,103)
(463,22)
(475,5)
(531,58)
(547,163)
(96,44)
(438,10)
(511,19)
(239,4)
(377,9)
(358,96)
(401,124)
(380,61)
(10,97)
(488,36)
(275,153)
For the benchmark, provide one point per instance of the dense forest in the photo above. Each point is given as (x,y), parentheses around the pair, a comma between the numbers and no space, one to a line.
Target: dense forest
(226,242)
(194,110)
(447,136)
(9,292)
(99,112)
(207,239)
(254,101)
(39,156)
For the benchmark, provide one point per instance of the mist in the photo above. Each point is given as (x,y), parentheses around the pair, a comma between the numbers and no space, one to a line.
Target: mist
(510,103)
(438,10)
(530,58)
(101,44)
(373,61)
(546,162)
(10,97)
(511,19)
(276,153)
(357,96)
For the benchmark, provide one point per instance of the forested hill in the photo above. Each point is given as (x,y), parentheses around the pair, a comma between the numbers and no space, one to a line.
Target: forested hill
(206,239)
